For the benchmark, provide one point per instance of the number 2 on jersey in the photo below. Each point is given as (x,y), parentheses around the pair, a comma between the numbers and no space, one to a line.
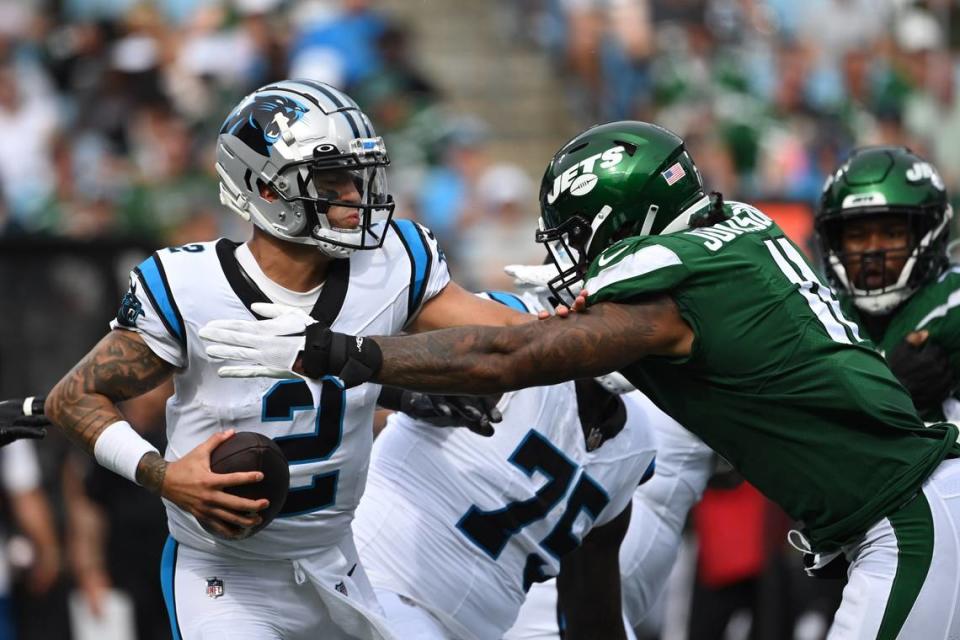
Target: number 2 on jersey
(279,405)
(491,530)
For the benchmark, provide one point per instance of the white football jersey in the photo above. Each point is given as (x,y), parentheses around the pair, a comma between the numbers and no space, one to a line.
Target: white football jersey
(660,509)
(324,430)
(650,546)
(463,524)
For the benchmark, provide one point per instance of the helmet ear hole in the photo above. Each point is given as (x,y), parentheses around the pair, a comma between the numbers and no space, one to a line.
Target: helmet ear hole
(267,192)
(579,235)
(628,147)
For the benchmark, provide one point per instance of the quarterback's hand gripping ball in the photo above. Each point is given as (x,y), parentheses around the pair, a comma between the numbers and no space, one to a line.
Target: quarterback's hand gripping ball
(249,451)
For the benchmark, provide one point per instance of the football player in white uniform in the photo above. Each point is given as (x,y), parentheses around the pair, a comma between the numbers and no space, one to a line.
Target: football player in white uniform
(301,161)
(455,528)
(660,506)
(649,548)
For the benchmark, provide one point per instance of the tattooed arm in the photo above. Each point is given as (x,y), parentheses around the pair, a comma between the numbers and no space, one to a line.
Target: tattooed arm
(119,367)
(607,337)
(122,366)
(455,306)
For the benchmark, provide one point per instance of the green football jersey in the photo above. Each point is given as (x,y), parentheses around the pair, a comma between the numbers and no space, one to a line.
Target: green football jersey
(779,381)
(936,308)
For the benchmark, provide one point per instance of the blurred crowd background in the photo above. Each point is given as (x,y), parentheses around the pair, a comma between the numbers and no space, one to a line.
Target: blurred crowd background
(109,111)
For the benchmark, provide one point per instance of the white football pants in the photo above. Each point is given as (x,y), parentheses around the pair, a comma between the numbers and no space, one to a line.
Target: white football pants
(216,597)
(904,576)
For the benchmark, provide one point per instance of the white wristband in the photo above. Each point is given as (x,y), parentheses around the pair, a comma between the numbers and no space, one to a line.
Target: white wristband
(120,448)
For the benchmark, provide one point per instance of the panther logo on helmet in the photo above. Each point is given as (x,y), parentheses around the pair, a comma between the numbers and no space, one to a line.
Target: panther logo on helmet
(279,148)
(255,122)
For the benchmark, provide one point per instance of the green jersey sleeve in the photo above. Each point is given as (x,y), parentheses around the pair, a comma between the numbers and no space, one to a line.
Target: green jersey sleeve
(636,266)
(942,319)
(934,308)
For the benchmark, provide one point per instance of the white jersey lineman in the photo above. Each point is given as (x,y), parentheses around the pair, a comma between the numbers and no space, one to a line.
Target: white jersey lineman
(324,430)
(457,527)
(649,549)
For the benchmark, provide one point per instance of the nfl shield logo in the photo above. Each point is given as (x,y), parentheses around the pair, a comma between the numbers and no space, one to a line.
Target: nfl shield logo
(214,587)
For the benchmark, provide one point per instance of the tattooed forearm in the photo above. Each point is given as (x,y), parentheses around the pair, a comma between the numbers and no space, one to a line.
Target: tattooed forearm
(150,472)
(121,366)
(491,360)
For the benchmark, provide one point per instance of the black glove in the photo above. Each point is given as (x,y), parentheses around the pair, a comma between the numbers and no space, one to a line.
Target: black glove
(476,413)
(14,425)
(925,371)
(353,359)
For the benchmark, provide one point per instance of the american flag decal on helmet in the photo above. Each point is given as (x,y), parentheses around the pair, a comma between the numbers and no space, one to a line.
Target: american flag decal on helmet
(674,173)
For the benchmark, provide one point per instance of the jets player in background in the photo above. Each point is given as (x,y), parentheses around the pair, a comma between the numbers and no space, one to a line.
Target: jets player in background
(455,528)
(883,224)
(715,315)
(301,162)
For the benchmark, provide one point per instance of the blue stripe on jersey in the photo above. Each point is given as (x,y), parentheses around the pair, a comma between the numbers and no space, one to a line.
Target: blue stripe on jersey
(159,292)
(168,570)
(508,299)
(419,259)
(649,472)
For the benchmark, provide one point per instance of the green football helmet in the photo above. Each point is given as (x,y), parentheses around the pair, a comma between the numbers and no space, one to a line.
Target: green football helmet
(884,181)
(613,181)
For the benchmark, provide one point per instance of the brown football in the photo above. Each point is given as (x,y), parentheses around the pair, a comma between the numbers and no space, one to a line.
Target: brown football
(249,451)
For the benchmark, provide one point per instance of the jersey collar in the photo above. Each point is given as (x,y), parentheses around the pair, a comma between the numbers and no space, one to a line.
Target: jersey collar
(328,304)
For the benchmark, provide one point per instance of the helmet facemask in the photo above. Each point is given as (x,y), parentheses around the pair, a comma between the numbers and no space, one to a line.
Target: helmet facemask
(923,254)
(312,188)
(567,247)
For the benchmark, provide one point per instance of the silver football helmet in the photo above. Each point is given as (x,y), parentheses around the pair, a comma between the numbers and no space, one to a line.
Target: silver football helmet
(290,138)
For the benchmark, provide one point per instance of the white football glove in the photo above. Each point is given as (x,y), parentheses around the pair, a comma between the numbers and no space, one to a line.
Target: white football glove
(269,348)
(534,279)
(531,275)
